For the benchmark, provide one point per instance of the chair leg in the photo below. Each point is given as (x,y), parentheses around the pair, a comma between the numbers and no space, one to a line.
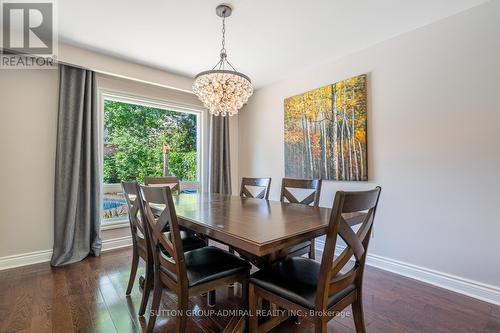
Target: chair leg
(148,285)
(312,250)
(358,316)
(320,325)
(253,320)
(231,250)
(157,291)
(182,305)
(244,293)
(133,272)
(211,298)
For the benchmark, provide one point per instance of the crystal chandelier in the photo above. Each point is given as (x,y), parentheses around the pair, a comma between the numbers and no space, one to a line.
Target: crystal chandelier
(223,90)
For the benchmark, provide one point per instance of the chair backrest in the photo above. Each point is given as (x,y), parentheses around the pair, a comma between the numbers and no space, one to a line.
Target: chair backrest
(310,184)
(264,185)
(171,181)
(361,206)
(168,255)
(137,228)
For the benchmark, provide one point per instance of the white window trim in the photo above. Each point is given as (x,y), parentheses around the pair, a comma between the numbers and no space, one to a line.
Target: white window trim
(201,136)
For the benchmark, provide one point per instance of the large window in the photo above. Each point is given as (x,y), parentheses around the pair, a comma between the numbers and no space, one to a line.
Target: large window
(135,135)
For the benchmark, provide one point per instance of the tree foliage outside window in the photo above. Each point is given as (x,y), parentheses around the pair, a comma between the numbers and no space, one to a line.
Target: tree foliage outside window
(134,136)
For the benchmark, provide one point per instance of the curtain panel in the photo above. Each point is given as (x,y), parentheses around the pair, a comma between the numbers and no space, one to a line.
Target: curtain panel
(220,163)
(77,176)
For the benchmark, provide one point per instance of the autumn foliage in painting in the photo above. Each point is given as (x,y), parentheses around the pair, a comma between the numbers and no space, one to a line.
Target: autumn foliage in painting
(325,132)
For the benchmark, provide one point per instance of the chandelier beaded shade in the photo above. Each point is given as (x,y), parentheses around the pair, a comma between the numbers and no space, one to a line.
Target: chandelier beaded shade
(223,90)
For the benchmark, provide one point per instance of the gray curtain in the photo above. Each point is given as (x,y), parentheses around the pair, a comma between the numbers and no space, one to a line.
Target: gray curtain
(77,177)
(220,164)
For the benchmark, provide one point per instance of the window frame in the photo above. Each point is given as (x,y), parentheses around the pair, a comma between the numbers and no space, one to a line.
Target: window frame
(125,97)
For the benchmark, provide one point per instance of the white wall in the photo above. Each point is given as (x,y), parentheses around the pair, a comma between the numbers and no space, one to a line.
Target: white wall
(28,124)
(120,68)
(434,141)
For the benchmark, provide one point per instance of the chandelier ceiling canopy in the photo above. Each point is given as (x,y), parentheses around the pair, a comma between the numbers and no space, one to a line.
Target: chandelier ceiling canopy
(223,90)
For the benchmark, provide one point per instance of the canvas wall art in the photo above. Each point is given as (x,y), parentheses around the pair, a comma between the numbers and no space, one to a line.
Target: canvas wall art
(325,132)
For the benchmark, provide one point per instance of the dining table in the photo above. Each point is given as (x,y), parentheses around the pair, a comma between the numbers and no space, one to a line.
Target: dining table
(259,230)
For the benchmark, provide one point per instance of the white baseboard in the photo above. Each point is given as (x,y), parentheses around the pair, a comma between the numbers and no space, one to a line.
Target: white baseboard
(37,257)
(25,259)
(478,290)
(116,243)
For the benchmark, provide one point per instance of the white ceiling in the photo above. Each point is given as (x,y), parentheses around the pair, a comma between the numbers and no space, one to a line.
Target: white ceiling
(266,39)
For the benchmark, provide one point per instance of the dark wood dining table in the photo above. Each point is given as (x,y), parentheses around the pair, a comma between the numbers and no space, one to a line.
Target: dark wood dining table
(260,230)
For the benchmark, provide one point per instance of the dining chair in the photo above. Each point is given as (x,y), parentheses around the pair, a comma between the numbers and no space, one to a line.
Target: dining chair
(184,273)
(139,243)
(288,184)
(304,285)
(264,185)
(171,181)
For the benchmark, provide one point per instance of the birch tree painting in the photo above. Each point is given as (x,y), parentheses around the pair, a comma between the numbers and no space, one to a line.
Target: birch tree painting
(325,132)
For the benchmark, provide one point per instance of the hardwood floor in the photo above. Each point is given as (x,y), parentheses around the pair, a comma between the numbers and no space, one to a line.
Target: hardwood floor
(90,297)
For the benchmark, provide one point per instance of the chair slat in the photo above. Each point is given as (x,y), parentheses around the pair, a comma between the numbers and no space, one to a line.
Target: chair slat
(289,196)
(171,181)
(366,226)
(360,201)
(342,281)
(130,194)
(246,192)
(153,195)
(351,239)
(168,263)
(258,182)
(308,184)
(309,199)
(341,261)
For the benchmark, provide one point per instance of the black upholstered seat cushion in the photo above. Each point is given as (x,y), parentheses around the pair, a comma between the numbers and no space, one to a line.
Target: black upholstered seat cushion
(295,279)
(210,263)
(189,240)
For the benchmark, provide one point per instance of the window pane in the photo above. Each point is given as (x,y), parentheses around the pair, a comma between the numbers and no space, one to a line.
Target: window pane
(134,137)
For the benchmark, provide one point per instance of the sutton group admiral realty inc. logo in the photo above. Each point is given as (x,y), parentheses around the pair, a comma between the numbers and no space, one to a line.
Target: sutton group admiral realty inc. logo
(28,38)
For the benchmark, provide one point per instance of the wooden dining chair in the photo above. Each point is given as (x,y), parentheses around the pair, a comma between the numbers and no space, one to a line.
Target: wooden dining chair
(171,181)
(139,243)
(264,185)
(184,273)
(301,284)
(311,199)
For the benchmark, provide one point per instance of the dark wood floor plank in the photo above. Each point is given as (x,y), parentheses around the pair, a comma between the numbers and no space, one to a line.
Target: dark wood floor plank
(43,303)
(21,311)
(493,324)
(101,318)
(61,316)
(117,308)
